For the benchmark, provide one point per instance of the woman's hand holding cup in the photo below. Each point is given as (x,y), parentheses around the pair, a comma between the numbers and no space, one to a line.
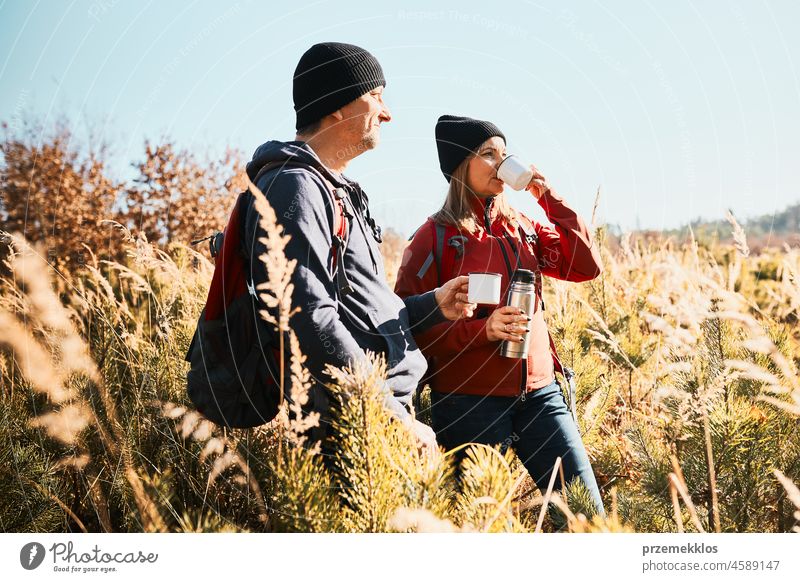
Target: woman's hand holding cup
(538,184)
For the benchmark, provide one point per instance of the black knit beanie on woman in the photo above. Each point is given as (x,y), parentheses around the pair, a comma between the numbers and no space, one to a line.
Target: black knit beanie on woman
(458,137)
(331,75)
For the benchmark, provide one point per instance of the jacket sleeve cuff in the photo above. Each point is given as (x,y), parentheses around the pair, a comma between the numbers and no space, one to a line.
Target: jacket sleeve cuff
(423,311)
(396,408)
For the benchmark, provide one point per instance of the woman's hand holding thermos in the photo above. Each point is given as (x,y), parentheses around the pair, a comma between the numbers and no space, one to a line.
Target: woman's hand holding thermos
(507,323)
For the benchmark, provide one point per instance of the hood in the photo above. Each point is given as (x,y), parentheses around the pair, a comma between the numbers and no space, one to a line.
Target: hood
(282,151)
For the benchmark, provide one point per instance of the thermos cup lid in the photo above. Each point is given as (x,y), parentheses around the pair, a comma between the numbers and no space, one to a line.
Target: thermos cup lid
(524,276)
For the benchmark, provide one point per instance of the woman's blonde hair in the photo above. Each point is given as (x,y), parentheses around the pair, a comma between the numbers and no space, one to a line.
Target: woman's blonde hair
(457,208)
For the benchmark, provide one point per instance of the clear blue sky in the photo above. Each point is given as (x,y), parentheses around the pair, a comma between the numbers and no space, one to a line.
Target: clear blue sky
(676,109)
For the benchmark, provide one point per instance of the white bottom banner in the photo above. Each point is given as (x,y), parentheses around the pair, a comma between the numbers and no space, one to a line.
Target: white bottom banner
(386,557)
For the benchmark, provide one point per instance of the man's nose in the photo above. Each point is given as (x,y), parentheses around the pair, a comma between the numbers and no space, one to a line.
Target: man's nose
(385,115)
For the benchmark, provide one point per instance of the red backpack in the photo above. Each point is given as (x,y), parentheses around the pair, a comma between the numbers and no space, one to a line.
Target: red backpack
(234,376)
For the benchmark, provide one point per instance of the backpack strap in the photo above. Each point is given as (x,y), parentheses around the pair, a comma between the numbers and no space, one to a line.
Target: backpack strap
(340,227)
(340,232)
(425,266)
(439,250)
(527,233)
(448,245)
(413,234)
(445,237)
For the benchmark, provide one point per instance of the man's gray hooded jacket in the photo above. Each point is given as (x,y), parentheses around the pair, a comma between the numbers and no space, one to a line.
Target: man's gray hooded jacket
(336,330)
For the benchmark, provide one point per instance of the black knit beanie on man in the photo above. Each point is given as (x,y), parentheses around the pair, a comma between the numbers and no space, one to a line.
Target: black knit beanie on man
(331,75)
(458,137)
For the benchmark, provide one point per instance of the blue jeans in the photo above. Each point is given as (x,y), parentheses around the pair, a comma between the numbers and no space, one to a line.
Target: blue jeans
(539,428)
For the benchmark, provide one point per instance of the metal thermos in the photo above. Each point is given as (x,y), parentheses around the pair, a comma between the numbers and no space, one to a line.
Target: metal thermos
(522,294)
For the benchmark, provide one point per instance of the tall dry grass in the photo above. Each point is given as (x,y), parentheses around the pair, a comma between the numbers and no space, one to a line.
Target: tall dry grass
(688,402)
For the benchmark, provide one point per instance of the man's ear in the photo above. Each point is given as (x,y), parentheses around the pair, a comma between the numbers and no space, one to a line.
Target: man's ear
(338,115)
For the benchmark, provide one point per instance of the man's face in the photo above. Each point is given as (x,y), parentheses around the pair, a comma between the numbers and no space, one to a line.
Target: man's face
(360,125)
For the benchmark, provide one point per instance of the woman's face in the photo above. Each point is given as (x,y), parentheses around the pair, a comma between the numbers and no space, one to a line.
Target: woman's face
(482,168)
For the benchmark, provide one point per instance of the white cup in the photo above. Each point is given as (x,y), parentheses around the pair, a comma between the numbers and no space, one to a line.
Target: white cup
(514,173)
(484,288)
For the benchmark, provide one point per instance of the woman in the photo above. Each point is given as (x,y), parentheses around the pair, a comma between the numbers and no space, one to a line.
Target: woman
(478,395)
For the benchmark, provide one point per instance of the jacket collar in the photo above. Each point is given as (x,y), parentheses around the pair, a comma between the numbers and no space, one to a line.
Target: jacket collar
(483,207)
(284,151)
(479,206)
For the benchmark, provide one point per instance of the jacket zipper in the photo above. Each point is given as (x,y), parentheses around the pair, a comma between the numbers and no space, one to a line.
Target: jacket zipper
(488,224)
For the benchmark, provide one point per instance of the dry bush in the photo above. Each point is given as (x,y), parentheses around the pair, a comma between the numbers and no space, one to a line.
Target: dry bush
(178,196)
(54,193)
(57,190)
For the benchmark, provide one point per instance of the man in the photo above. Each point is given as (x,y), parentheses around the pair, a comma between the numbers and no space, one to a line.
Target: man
(338,100)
